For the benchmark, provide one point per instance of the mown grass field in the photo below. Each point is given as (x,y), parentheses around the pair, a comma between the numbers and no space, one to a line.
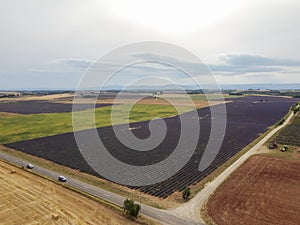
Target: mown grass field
(16,127)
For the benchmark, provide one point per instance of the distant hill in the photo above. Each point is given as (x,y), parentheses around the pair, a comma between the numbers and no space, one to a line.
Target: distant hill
(263,86)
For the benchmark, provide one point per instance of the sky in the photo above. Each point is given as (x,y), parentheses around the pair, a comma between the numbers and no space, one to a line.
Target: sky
(50,44)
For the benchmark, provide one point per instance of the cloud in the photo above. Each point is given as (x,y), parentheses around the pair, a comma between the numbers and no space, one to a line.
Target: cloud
(237,64)
(149,64)
(63,66)
(75,63)
(255,60)
(145,63)
(231,64)
(187,64)
(236,70)
(33,35)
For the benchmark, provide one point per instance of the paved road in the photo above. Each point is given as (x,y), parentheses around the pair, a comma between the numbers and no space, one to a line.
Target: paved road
(161,216)
(192,208)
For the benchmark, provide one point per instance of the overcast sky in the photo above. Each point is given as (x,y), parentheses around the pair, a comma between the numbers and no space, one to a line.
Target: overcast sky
(50,43)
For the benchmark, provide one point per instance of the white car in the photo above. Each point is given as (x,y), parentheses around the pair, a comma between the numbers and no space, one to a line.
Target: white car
(62,179)
(29,166)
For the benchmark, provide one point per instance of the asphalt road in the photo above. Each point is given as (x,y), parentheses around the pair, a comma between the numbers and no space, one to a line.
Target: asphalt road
(161,216)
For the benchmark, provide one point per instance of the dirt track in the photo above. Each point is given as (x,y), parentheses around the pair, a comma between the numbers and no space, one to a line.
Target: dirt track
(29,199)
(265,190)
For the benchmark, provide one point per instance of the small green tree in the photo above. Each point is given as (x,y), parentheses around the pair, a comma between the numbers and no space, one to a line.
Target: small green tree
(296,108)
(132,209)
(186,193)
(281,122)
(127,205)
(135,210)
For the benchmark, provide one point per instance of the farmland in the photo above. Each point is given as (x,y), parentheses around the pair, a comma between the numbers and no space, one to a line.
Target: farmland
(23,120)
(265,190)
(30,199)
(16,127)
(290,135)
(247,118)
(38,107)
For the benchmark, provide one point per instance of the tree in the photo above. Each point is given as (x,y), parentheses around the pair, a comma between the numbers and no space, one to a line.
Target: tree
(296,108)
(127,204)
(132,209)
(186,193)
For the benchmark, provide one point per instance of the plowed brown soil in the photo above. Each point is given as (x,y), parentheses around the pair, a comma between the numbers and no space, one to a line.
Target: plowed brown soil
(265,190)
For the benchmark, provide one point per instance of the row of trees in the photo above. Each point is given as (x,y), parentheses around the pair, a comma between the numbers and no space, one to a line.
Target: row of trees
(296,108)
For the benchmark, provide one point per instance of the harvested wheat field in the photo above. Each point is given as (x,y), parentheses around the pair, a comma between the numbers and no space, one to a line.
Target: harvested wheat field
(265,190)
(49,97)
(29,199)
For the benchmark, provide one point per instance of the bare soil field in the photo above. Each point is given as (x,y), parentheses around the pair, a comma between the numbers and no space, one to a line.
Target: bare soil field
(265,190)
(29,199)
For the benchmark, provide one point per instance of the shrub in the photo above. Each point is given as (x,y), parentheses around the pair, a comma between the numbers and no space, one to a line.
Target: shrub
(132,209)
(186,193)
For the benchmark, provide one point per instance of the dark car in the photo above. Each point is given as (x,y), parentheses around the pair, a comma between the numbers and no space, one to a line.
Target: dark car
(62,179)
(29,166)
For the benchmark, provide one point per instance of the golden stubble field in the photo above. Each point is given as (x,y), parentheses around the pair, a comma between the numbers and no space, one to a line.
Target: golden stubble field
(50,97)
(29,199)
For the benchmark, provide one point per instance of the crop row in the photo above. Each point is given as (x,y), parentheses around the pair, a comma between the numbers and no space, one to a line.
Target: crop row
(290,135)
(247,118)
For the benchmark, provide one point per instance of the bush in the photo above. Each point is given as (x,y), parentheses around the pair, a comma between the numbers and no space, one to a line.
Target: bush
(132,209)
(186,193)
(296,108)
(281,122)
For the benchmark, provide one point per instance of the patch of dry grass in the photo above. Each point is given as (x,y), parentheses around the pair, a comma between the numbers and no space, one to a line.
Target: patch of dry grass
(30,199)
